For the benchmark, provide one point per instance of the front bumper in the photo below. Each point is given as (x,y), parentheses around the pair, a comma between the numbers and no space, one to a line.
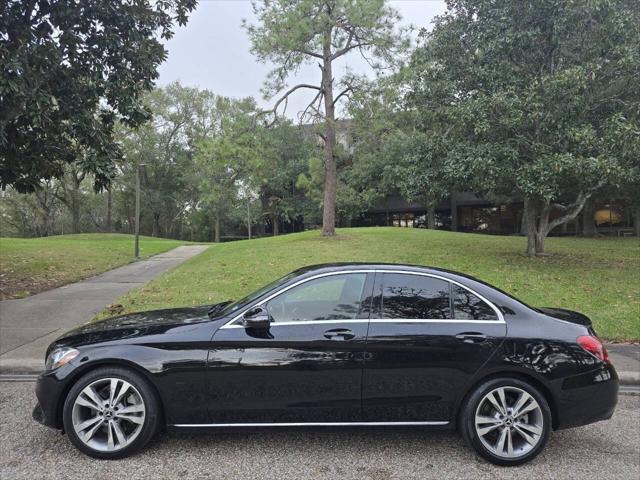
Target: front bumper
(587,398)
(50,392)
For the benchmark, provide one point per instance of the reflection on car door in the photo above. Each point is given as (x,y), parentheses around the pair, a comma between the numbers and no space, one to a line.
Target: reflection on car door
(306,368)
(426,339)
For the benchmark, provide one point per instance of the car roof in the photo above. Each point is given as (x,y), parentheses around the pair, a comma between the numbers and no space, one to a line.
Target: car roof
(345,266)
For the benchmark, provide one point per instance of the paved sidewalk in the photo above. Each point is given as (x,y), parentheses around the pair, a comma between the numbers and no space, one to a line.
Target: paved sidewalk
(626,359)
(29,325)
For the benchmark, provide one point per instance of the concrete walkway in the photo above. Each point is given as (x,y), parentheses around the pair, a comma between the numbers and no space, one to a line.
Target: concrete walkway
(29,325)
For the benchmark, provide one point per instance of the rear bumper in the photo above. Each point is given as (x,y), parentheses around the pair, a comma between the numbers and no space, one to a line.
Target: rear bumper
(587,398)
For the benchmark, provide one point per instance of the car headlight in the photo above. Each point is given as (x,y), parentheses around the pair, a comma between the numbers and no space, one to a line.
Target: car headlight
(60,356)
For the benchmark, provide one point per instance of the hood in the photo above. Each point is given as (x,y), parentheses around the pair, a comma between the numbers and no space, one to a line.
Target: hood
(133,325)
(566,315)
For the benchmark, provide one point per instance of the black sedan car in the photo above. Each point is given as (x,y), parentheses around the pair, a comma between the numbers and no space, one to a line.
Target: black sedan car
(334,345)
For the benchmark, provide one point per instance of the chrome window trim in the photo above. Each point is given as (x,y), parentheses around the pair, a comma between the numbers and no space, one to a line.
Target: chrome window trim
(304,424)
(231,323)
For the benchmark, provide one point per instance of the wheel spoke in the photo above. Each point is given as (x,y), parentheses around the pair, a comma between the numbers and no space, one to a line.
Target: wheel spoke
(489,424)
(89,435)
(113,387)
(503,400)
(110,444)
(132,418)
(491,397)
(528,438)
(536,430)
(509,443)
(528,408)
(522,400)
(131,409)
(500,445)
(88,423)
(123,389)
(122,439)
(86,401)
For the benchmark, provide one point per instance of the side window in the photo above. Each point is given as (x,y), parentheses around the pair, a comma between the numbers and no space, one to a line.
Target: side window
(414,297)
(334,297)
(467,306)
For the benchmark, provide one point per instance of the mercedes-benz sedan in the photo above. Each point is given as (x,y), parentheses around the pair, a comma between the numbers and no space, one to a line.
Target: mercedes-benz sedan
(334,345)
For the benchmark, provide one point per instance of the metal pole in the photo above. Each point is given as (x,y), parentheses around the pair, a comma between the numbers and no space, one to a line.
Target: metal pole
(249,217)
(136,248)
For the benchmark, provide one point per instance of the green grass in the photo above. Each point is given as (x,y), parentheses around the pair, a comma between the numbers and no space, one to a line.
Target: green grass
(599,277)
(31,265)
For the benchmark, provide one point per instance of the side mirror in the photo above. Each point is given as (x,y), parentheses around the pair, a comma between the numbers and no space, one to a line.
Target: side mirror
(257,318)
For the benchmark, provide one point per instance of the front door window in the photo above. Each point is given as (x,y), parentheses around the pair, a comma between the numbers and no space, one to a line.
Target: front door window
(334,297)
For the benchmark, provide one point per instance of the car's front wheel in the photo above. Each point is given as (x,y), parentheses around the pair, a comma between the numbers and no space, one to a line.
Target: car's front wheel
(506,420)
(111,413)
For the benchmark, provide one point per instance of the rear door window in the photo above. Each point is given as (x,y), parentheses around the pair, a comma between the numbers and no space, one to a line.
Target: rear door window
(415,297)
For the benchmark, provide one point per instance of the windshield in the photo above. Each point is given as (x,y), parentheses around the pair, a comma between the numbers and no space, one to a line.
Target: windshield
(233,307)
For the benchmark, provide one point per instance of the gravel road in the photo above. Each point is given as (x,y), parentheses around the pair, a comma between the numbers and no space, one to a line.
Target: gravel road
(27,450)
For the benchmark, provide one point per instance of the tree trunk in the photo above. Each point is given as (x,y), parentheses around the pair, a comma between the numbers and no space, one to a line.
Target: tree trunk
(636,220)
(538,219)
(330,169)
(74,205)
(431,217)
(156,225)
(530,220)
(454,212)
(75,212)
(216,229)
(588,223)
(524,220)
(275,224)
(109,209)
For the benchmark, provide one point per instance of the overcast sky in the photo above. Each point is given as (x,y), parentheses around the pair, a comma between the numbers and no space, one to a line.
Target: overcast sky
(212,51)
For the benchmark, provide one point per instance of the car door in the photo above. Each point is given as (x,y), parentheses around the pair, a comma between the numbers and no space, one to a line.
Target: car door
(427,338)
(306,367)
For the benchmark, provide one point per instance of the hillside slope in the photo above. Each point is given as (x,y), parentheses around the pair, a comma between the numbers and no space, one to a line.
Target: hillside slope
(598,277)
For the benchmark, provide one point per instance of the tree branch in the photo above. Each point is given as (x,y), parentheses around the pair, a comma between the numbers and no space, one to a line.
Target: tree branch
(344,92)
(574,209)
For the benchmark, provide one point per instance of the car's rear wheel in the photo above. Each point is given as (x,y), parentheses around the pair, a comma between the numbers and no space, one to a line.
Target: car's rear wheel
(506,420)
(111,412)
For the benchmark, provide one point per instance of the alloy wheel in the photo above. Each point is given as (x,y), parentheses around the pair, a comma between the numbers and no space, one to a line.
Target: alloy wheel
(509,422)
(108,414)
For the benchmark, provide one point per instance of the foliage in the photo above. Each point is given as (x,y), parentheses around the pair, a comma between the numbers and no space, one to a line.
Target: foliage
(69,71)
(527,97)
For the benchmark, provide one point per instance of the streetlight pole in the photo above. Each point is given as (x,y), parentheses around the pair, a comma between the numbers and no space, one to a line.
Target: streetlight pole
(249,216)
(136,246)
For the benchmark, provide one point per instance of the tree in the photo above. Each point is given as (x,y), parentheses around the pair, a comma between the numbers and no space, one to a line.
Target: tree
(283,156)
(68,71)
(527,96)
(166,145)
(293,32)
(220,162)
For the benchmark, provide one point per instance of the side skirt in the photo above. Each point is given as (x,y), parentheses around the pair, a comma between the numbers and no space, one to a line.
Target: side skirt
(186,426)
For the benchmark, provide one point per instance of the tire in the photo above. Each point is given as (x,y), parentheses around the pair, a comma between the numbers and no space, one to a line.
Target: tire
(488,430)
(110,431)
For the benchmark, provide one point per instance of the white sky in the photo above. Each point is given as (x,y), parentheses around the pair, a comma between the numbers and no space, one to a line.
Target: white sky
(212,51)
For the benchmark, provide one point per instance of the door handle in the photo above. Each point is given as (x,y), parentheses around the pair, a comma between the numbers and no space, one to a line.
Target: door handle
(471,337)
(339,334)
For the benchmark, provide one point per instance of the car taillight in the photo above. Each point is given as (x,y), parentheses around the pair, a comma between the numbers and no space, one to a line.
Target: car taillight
(594,346)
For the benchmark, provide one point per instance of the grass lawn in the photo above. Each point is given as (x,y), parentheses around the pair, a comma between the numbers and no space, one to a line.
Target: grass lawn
(31,265)
(599,277)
